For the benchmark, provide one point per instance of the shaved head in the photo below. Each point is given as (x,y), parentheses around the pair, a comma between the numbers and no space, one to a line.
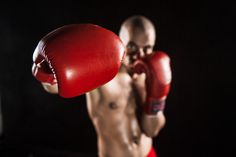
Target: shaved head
(137,26)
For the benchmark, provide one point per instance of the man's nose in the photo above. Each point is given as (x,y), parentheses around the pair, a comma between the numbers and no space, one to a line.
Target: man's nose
(141,53)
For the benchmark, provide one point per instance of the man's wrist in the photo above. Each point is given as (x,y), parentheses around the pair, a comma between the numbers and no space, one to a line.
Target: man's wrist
(152,107)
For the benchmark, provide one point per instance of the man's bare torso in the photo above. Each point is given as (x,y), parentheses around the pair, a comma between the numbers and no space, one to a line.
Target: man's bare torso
(113,109)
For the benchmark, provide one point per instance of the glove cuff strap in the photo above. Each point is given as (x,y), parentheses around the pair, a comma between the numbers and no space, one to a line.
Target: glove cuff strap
(152,107)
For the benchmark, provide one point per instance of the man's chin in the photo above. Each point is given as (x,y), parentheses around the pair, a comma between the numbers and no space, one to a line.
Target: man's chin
(128,66)
(129,69)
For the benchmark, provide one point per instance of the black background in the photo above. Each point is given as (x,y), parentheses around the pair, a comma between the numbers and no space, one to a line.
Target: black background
(197,35)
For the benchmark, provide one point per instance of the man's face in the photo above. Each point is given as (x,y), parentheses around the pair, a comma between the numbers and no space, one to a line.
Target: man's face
(139,45)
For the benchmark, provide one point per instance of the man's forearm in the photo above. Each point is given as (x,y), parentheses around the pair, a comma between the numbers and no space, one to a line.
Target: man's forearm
(152,124)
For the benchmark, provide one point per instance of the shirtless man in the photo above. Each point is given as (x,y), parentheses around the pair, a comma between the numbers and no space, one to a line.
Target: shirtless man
(128,110)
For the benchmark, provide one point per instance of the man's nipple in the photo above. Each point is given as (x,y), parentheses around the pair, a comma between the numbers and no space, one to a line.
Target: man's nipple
(113,105)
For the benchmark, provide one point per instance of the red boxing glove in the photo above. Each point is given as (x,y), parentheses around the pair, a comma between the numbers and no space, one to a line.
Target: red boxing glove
(78,57)
(42,71)
(158,78)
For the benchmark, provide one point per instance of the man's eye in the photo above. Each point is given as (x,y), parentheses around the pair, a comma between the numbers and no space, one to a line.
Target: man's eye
(147,49)
(132,47)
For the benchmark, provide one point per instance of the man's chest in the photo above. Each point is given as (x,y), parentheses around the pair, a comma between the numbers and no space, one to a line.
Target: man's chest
(118,97)
(118,91)
(122,91)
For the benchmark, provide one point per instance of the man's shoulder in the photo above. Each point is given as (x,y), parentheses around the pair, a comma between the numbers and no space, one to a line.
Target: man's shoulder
(121,80)
(123,77)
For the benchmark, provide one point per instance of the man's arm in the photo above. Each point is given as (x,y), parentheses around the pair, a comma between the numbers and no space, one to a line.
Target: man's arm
(152,124)
(157,84)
